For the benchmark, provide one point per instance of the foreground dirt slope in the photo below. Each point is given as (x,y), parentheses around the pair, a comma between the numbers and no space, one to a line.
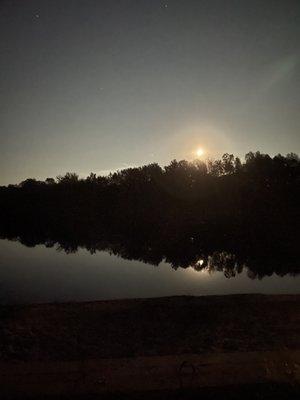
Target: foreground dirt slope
(149,327)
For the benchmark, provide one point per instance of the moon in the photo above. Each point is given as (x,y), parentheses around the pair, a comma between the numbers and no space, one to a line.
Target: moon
(200,152)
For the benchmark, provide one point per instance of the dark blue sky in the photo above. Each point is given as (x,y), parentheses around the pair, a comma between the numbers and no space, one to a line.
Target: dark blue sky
(101,85)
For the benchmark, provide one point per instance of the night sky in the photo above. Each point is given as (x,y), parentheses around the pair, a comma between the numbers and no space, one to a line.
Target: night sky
(103,85)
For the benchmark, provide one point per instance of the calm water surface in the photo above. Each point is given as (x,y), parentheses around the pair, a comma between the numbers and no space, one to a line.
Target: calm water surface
(41,274)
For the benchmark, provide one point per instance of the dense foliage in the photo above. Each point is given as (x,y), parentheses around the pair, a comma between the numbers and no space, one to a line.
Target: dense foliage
(181,212)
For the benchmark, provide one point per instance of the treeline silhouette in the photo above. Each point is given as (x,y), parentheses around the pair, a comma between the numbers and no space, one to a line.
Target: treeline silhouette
(219,215)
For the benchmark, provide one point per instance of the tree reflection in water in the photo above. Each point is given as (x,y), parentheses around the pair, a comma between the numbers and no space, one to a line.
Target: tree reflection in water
(258,263)
(219,216)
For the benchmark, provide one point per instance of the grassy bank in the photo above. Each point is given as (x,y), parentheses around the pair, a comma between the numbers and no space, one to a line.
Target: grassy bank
(150,327)
(172,347)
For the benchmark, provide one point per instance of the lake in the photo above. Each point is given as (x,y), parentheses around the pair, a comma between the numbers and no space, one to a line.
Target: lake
(43,274)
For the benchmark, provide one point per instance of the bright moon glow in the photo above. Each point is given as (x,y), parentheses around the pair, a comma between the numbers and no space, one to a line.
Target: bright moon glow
(199,152)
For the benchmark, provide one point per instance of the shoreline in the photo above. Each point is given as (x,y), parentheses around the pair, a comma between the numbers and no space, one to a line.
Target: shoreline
(275,296)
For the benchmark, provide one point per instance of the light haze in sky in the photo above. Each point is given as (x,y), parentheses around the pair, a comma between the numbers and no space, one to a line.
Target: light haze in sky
(103,85)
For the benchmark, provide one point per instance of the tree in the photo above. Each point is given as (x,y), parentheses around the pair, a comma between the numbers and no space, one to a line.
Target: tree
(215,167)
(50,181)
(69,178)
(228,163)
(237,164)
